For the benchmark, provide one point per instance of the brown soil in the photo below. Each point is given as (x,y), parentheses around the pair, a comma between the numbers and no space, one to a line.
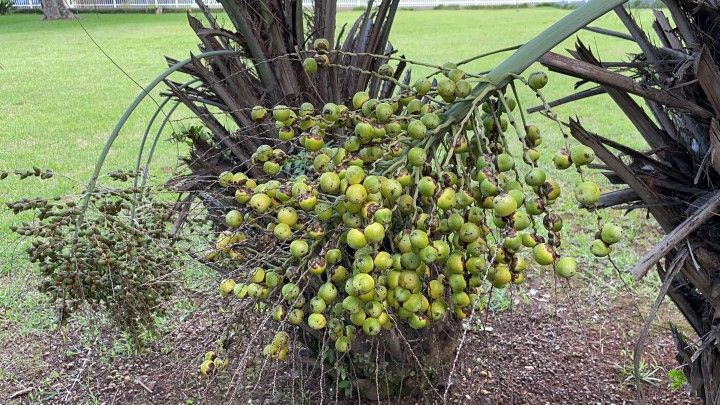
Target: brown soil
(564,348)
(553,346)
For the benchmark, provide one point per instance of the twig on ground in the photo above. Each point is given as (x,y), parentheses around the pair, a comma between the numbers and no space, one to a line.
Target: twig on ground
(142,384)
(20,393)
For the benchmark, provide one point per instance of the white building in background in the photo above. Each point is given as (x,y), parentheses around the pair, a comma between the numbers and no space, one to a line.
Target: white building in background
(342,4)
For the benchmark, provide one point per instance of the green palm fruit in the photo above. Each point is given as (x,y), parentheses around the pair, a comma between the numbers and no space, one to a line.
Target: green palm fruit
(374,233)
(417,321)
(502,276)
(469,232)
(599,248)
(281,113)
(446,200)
(422,86)
(455,263)
(562,159)
(260,202)
(299,248)
(543,254)
(317,321)
(504,205)
(505,162)
(258,113)
(416,129)
(566,267)
(430,121)
(611,234)
(371,326)
(328,292)
(537,80)
(343,344)
(359,99)
(462,88)
(416,156)
(226,287)
(446,88)
(581,155)
(310,65)
(383,112)
(535,177)
(587,193)
(317,306)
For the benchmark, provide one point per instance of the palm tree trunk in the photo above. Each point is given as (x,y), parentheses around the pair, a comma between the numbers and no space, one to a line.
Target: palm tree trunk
(677,180)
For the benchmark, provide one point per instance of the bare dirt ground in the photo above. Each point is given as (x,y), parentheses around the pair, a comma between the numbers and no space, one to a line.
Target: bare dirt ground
(572,350)
(554,345)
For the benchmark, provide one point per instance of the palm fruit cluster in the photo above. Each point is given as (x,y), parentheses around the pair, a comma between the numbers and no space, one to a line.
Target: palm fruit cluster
(605,238)
(100,257)
(279,347)
(400,215)
(212,363)
(22,174)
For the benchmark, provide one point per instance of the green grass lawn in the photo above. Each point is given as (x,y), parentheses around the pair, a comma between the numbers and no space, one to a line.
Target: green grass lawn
(60,97)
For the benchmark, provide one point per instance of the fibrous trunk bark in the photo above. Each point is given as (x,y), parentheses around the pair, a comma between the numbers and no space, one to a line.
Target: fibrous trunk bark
(410,363)
(400,363)
(677,180)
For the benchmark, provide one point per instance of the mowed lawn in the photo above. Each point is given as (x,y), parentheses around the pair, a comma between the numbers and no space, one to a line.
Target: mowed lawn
(60,96)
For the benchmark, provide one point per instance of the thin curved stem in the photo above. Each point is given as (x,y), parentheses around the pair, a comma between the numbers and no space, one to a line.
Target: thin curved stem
(155,142)
(126,115)
(150,124)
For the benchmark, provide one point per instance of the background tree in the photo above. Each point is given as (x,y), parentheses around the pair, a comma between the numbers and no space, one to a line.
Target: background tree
(56,10)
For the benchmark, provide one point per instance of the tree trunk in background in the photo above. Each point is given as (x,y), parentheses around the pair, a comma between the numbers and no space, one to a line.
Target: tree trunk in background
(56,10)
